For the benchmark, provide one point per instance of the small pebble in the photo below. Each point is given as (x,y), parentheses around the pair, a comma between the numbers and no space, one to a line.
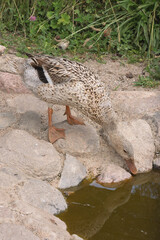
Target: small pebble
(2,49)
(129,75)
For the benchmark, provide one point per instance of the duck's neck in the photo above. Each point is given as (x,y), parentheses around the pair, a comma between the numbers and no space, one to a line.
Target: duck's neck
(109,125)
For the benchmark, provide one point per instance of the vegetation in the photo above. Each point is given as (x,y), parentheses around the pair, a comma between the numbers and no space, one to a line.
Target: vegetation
(124,27)
(153,77)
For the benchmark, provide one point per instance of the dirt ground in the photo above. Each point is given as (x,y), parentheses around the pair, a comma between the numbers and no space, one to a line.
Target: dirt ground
(119,75)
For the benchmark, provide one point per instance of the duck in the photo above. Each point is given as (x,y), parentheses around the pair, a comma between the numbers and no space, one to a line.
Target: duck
(72,84)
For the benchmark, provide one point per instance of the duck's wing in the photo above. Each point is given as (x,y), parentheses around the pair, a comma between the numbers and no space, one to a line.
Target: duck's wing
(60,69)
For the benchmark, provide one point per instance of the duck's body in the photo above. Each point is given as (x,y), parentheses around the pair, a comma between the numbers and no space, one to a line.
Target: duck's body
(70,83)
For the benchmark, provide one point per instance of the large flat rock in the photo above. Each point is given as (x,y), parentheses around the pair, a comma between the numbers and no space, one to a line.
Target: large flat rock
(41,223)
(113,174)
(10,231)
(31,122)
(36,158)
(12,83)
(154,122)
(73,172)
(10,177)
(27,102)
(139,135)
(135,104)
(80,139)
(42,195)
(7,119)
(11,64)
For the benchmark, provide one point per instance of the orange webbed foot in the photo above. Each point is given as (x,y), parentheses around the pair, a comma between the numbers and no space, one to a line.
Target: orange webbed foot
(71,119)
(55,133)
(74,121)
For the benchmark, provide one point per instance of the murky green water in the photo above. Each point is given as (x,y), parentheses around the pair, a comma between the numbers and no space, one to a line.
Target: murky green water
(128,212)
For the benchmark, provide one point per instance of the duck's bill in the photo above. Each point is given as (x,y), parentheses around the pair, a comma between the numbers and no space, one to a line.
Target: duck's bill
(131,166)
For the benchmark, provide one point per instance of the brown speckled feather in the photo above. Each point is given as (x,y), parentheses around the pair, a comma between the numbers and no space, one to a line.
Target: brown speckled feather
(66,82)
(72,84)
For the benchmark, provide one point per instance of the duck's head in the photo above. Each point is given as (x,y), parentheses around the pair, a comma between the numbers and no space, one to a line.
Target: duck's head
(33,76)
(121,145)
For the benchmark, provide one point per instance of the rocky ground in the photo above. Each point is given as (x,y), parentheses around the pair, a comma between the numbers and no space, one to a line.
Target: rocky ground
(32,170)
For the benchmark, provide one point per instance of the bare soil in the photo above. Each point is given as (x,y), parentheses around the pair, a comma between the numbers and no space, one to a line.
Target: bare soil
(119,75)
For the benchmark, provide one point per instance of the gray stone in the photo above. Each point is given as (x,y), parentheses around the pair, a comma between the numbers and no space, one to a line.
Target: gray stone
(12,83)
(43,224)
(154,122)
(31,122)
(2,49)
(5,199)
(135,104)
(138,133)
(11,64)
(7,119)
(9,231)
(156,163)
(23,152)
(27,102)
(80,139)
(58,114)
(76,237)
(113,174)
(73,172)
(10,177)
(42,195)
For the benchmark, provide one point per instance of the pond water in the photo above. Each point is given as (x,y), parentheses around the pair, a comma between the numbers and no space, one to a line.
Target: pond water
(126,212)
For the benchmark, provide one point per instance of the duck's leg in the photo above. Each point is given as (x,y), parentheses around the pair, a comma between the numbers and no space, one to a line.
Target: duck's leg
(72,120)
(54,133)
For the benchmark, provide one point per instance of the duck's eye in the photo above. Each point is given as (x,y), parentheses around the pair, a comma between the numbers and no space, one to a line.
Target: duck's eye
(124,151)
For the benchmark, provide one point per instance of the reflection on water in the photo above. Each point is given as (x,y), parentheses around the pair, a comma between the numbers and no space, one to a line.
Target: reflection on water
(127,212)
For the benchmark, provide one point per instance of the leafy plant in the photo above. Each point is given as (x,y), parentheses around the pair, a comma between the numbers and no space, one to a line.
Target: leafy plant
(153,78)
(98,26)
(146,82)
(154,69)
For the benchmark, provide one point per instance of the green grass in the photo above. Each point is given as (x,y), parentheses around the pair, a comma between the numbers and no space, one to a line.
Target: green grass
(123,26)
(128,29)
(147,82)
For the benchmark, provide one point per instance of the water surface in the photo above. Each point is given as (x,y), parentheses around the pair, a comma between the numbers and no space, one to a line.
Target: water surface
(128,212)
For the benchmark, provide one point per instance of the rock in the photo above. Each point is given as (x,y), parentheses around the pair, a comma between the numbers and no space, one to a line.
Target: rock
(135,104)
(129,75)
(42,195)
(5,199)
(79,139)
(12,83)
(73,173)
(10,177)
(156,163)
(43,224)
(10,231)
(63,44)
(31,122)
(75,237)
(2,49)
(7,119)
(27,102)
(113,174)
(58,114)
(138,133)
(23,152)
(154,122)
(12,64)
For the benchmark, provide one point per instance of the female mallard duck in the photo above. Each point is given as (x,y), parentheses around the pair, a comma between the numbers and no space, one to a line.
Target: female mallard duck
(69,83)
